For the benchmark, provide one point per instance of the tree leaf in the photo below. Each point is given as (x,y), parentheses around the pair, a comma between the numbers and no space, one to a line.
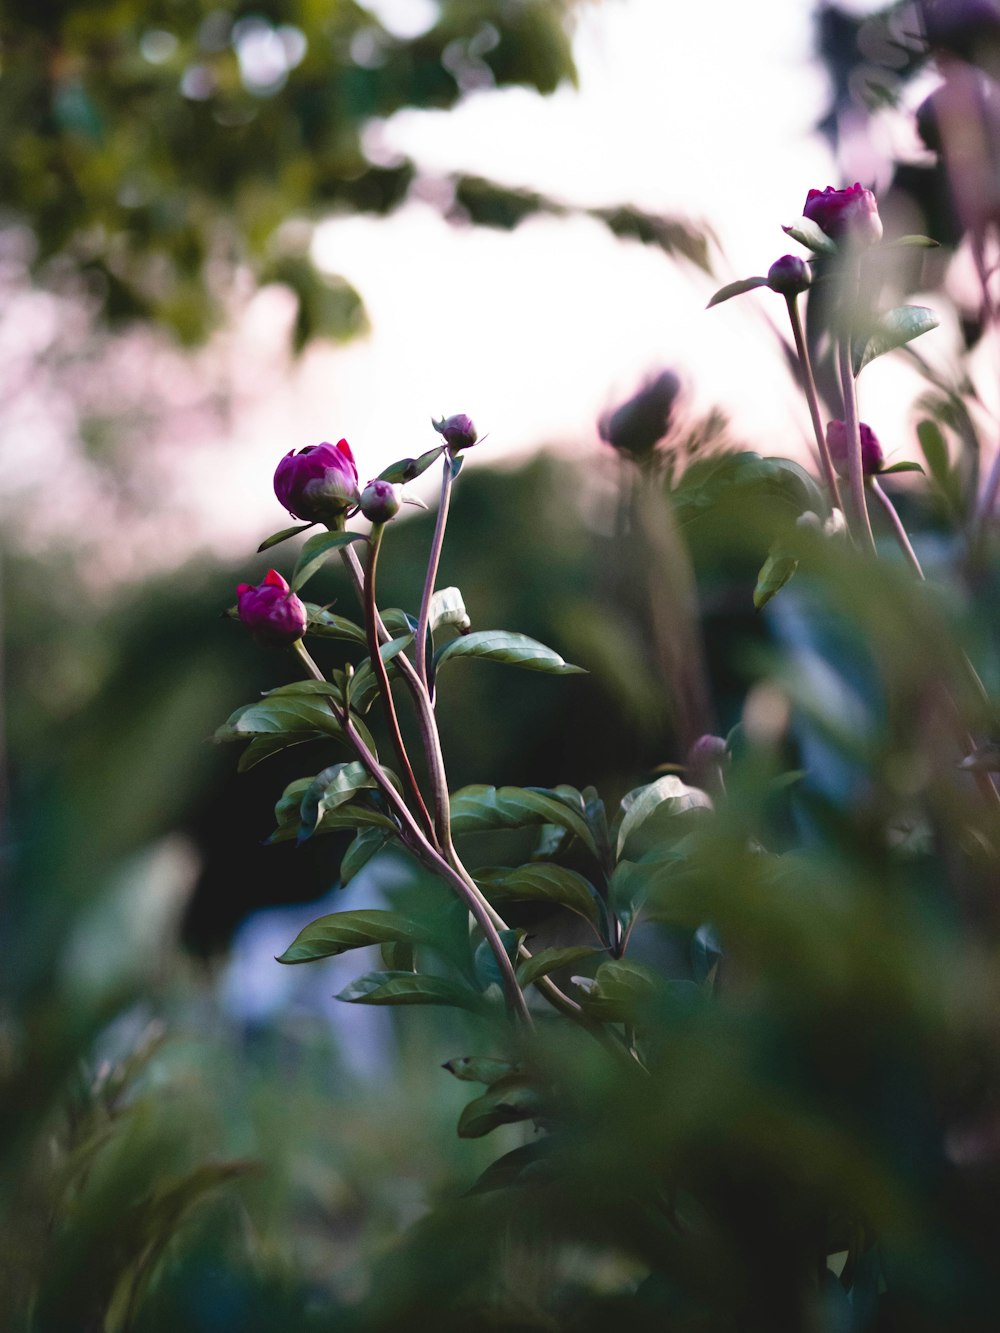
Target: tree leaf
(639,804)
(542,881)
(448,609)
(732,289)
(893,329)
(501,646)
(807,233)
(331,935)
(315,551)
(366,844)
(548,960)
(508,1101)
(408,468)
(411,988)
(283,536)
(775,572)
(477,809)
(478,1069)
(335,786)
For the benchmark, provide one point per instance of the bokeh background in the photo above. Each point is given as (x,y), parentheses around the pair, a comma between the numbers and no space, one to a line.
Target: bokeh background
(231,230)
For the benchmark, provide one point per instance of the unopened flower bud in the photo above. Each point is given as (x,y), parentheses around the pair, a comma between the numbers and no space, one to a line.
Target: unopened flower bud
(706,756)
(845,215)
(837,442)
(458,431)
(380,501)
(271,611)
(640,423)
(319,483)
(789,276)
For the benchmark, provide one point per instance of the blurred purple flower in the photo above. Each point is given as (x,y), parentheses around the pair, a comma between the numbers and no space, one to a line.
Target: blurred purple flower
(640,423)
(319,483)
(457,431)
(789,276)
(872,457)
(850,214)
(271,611)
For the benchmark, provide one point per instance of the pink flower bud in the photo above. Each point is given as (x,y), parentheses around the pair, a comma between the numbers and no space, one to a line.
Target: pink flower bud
(271,611)
(638,425)
(872,457)
(380,501)
(319,483)
(789,276)
(850,214)
(458,431)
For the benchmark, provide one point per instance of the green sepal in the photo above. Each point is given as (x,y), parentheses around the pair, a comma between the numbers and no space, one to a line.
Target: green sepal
(906,466)
(813,237)
(283,536)
(408,468)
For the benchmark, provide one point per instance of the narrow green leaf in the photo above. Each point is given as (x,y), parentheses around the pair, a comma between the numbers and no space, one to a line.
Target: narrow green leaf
(335,786)
(542,881)
(366,844)
(905,466)
(264,746)
(364,683)
(807,233)
(315,551)
(732,289)
(774,573)
(411,988)
(399,622)
(935,451)
(500,646)
(910,242)
(893,329)
(448,609)
(548,960)
(639,804)
(408,468)
(479,1069)
(326,625)
(506,1102)
(283,536)
(478,808)
(484,961)
(336,934)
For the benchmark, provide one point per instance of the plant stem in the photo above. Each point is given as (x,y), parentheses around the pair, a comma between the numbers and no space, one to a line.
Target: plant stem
(849,297)
(812,398)
(899,532)
(382,674)
(416,840)
(420,653)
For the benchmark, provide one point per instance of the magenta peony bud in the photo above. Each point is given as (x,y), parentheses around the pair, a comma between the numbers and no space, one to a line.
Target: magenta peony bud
(872,457)
(707,750)
(639,424)
(380,501)
(458,431)
(272,612)
(850,214)
(319,483)
(789,276)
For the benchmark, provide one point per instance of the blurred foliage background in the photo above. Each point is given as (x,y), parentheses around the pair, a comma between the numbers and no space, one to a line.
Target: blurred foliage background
(190,1138)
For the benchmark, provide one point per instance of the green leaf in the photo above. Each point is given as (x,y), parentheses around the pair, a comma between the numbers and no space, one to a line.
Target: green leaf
(484,961)
(364,683)
(548,960)
(807,233)
(622,991)
(509,1169)
(542,881)
(365,845)
(341,931)
(411,988)
(408,468)
(893,329)
(279,714)
(478,1069)
(906,466)
(910,242)
(508,1101)
(632,881)
(775,572)
(399,622)
(326,625)
(398,956)
(315,551)
(639,804)
(283,536)
(264,746)
(477,809)
(500,646)
(448,609)
(335,786)
(735,289)
(935,451)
